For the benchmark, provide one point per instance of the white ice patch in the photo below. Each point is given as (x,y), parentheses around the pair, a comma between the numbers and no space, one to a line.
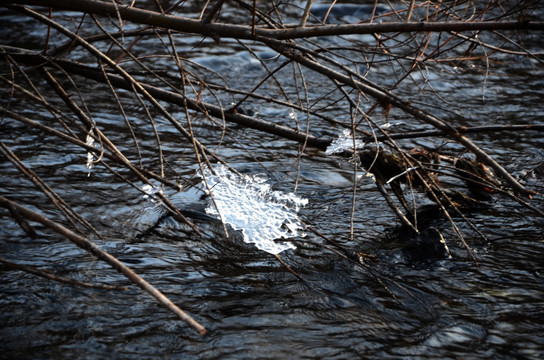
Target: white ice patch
(151,193)
(389,125)
(343,142)
(90,157)
(248,204)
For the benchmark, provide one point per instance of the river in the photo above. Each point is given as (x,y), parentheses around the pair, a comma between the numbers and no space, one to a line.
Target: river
(252,306)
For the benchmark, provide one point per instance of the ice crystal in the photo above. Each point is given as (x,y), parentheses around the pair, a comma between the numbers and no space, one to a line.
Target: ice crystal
(343,142)
(249,204)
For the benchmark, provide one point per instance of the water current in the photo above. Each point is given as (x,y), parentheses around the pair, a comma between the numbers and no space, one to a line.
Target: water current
(251,305)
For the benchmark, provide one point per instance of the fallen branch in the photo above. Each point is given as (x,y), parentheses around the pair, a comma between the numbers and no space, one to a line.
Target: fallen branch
(92,248)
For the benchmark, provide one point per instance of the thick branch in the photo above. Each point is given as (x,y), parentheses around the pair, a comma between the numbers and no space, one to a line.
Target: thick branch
(35,58)
(218,30)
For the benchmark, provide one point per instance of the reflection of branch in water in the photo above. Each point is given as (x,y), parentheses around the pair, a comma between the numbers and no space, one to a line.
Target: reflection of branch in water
(361,260)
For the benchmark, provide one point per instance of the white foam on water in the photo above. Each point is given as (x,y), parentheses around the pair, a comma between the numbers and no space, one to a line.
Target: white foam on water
(343,142)
(249,204)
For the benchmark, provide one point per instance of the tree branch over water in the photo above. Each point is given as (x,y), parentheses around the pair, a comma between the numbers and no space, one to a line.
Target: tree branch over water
(223,30)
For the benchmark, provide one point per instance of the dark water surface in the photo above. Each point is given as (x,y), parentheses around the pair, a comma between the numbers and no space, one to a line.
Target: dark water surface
(251,306)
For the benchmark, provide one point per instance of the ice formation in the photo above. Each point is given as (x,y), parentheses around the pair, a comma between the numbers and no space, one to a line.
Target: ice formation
(343,142)
(249,204)
(90,157)
(151,193)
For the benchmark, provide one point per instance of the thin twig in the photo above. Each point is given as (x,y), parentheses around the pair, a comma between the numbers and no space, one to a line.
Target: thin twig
(47,275)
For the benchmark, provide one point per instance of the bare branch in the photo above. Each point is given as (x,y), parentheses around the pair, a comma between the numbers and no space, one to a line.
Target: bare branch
(222,30)
(92,248)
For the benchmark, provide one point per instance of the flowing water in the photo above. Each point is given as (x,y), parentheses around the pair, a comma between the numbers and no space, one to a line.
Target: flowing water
(250,304)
